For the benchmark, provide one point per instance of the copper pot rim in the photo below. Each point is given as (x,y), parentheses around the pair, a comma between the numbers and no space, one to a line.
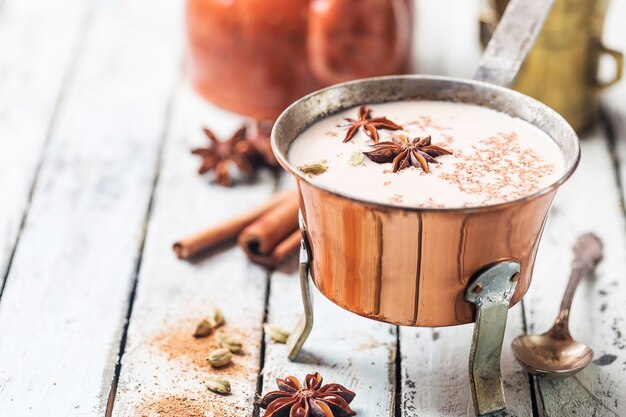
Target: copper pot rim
(282,158)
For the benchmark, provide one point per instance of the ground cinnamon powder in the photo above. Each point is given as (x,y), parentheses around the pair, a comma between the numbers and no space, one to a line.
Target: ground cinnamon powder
(172,406)
(175,406)
(178,344)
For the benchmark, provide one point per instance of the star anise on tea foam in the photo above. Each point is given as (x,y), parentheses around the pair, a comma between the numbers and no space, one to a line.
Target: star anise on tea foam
(221,156)
(312,400)
(404,152)
(370,125)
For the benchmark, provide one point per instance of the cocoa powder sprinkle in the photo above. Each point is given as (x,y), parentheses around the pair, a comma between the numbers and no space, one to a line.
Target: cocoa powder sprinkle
(512,172)
(426,123)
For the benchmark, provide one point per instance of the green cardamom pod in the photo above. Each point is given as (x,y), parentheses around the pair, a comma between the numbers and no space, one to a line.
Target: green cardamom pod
(357,158)
(216,318)
(313,169)
(276,333)
(227,342)
(203,329)
(218,384)
(220,357)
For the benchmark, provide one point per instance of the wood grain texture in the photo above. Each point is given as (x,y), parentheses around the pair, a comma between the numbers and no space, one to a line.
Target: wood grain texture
(435,379)
(33,35)
(161,358)
(64,305)
(588,202)
(343,347)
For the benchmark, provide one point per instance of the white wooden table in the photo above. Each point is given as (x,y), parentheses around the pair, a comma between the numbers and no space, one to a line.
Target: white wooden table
(96,182)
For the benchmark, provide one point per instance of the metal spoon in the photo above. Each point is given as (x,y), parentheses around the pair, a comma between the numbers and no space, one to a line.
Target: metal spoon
(555,353)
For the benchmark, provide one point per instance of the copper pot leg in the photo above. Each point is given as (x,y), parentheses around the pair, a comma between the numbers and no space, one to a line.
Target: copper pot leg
(303,328)
(490,291)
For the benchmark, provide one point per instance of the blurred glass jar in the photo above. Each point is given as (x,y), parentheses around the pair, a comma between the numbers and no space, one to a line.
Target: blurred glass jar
(562,68)
(258,56)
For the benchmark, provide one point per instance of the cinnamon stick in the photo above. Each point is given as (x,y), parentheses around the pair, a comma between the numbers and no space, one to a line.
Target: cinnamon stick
(196,243)
(281,252)
(273,227)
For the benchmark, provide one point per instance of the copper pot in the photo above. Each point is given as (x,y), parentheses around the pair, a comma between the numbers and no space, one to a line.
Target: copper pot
(257,56)
(411,266)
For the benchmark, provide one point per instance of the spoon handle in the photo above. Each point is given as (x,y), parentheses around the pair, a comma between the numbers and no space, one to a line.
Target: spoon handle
(587,253)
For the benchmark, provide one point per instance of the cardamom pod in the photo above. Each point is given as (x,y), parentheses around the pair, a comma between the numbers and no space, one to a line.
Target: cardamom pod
(203,329)
(216,318)
(357,158)
(220,357)
(276,333)
(218,384)
(234,345)
(313,169)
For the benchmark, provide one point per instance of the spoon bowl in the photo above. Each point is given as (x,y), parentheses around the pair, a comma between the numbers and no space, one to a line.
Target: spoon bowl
(549,356)
(556,354)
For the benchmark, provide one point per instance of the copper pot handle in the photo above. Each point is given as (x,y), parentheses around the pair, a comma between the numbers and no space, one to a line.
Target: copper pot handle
(618,57)
(302,330)
(512,41)
(334,59)
(490,291)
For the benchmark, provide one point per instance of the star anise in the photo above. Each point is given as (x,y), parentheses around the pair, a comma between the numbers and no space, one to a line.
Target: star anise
(404,152)
(312,400)
(261,141)
(220,155)
(370,125)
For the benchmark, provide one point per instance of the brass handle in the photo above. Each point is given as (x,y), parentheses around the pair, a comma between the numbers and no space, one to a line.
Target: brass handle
(618,57)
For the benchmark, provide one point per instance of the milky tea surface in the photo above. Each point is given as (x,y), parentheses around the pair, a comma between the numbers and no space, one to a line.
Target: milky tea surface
(495,157)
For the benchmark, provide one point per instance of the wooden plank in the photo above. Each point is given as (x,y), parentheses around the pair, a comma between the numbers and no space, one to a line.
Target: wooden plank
(33,35)
(65,301)
(588,202)
(344,348)
(164,366)
(435,379)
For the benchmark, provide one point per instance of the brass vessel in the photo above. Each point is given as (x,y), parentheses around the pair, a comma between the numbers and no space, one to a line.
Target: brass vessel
(562,68)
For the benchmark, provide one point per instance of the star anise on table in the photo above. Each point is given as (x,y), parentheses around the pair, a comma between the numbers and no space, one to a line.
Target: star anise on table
(404,152)
(370,125)
(312,400)
(220,156)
